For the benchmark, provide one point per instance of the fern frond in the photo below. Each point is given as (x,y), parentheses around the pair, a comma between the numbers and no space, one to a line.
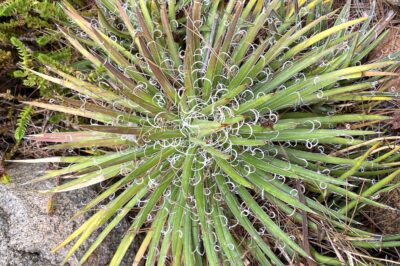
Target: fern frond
(24,53)
(34,20)
(23,120)
(48,10)
(9,7)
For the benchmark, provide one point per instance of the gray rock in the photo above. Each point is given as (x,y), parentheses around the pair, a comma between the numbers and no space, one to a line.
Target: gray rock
(28,232)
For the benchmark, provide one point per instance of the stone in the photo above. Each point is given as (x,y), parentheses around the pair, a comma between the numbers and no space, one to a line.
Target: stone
(28,232)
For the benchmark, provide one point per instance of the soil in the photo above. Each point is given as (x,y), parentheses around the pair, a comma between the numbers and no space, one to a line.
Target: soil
(389,45)
(386,221)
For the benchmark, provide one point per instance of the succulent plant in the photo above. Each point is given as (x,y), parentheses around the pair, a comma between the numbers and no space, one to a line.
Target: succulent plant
(219,126)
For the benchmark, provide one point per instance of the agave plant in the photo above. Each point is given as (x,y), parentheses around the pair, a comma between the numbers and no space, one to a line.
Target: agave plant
(217,125)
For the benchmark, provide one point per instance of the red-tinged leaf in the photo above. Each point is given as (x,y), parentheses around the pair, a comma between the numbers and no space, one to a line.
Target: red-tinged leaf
(69,136)
(146,33)
(158,73)
(173,49)
(92,143)
(118,129)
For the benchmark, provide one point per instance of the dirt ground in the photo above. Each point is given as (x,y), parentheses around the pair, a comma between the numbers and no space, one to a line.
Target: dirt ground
(386,222)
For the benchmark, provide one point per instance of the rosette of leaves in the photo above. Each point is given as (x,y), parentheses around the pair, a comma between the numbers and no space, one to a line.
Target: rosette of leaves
(218,131)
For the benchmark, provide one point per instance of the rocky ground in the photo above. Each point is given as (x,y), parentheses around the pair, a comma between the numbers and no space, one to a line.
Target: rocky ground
(28,231)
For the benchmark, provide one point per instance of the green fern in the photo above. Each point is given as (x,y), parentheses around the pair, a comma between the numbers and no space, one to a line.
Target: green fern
(24,54)
(20,14)
(28,59)
(7,8)
(23,120)
(49,11)
(33,20)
